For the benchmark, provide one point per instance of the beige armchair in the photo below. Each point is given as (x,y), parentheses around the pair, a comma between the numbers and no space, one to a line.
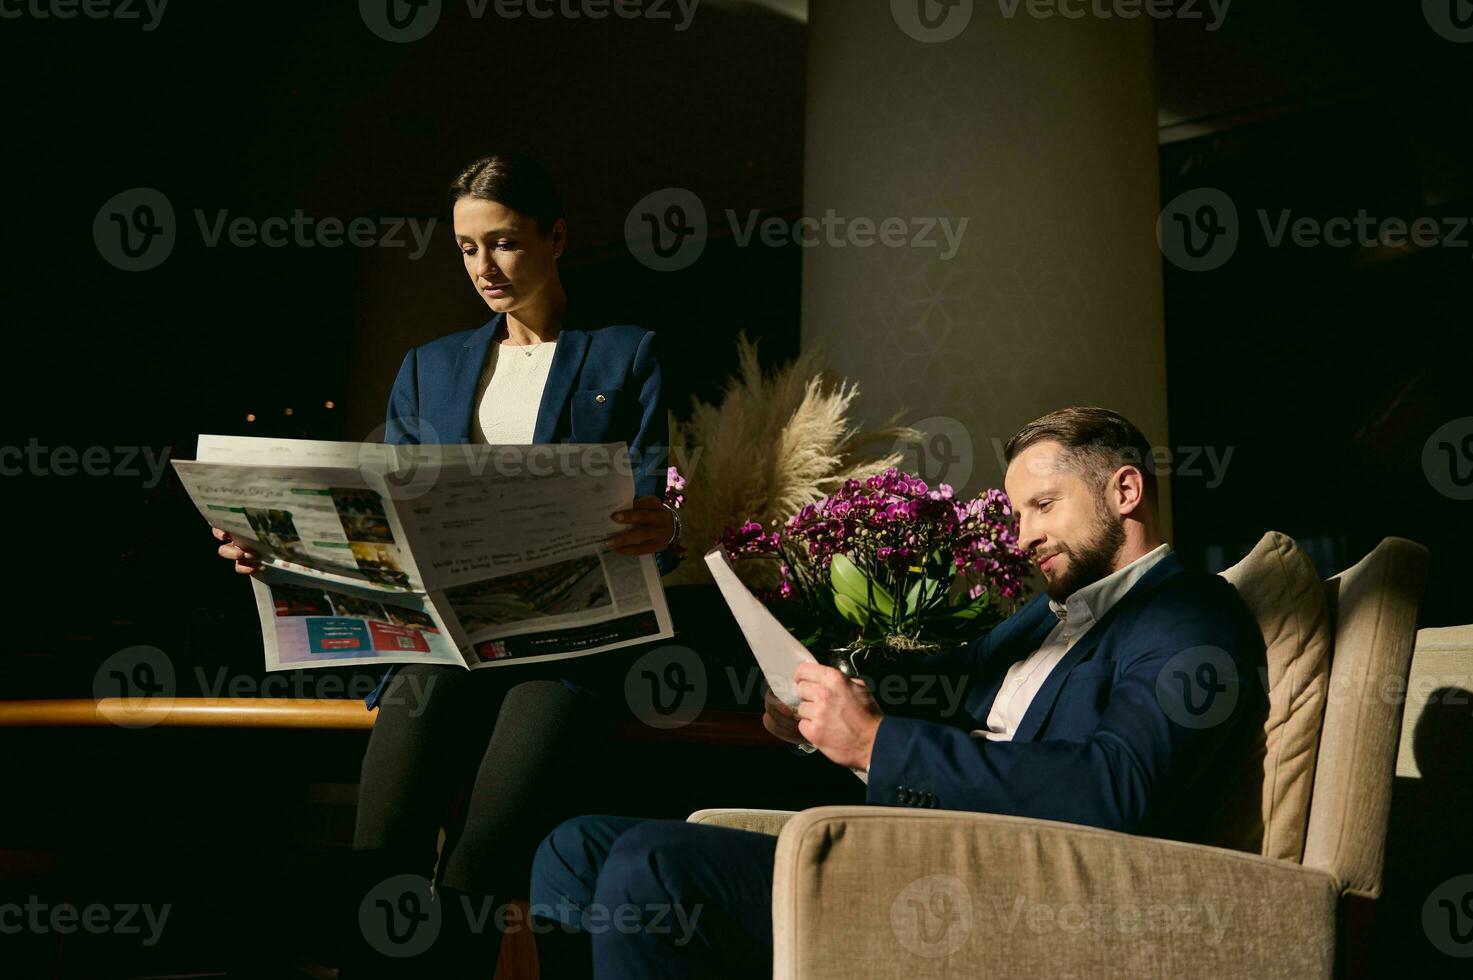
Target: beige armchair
(880,891)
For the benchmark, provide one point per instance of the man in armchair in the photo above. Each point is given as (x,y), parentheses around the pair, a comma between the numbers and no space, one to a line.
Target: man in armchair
(1113,700)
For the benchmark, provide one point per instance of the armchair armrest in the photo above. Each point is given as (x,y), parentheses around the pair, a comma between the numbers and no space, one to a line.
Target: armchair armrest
(880,891)
(759,821)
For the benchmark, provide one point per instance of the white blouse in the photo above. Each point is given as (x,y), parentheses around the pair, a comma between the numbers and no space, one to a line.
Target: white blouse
(510,394)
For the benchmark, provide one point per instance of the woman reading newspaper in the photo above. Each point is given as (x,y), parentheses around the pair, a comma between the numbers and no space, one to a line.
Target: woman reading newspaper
(531,374)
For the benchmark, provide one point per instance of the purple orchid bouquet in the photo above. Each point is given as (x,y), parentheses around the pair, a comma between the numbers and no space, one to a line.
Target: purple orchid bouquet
(890,562)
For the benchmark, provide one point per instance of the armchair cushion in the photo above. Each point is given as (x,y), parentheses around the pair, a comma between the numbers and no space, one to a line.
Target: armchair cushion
(1265,808)
(879,891)
(759,821)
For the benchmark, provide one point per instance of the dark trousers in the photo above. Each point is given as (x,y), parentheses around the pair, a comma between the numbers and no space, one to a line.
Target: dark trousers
(627,899)
(510,745)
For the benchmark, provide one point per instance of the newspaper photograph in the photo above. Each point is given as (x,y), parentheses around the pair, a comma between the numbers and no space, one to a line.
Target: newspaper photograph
(474,555)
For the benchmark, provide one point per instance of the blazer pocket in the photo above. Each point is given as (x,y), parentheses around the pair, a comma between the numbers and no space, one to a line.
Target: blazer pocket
(595,413)
(1090,682)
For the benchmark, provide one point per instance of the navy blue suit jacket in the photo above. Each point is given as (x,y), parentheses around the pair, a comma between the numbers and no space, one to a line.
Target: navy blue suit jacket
(604,385)
(434,396)
(1126,733)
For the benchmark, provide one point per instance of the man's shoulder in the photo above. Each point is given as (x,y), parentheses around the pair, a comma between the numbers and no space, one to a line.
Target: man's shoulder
(1189,604)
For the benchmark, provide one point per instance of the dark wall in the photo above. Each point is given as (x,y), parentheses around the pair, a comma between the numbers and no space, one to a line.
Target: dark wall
(262,111)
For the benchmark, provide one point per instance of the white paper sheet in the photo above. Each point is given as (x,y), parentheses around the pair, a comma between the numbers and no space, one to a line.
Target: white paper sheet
(778,652)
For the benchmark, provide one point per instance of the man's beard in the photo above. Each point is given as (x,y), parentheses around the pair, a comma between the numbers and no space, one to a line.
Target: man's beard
(1092,560)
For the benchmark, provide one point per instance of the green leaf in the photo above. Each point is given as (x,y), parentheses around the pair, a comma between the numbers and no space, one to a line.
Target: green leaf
(850,582)
(854,612)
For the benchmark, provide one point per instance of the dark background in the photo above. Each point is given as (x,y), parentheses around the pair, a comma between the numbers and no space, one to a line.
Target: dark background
(1323,368)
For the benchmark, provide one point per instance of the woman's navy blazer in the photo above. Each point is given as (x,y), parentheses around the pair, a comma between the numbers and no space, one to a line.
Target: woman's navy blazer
(604,386)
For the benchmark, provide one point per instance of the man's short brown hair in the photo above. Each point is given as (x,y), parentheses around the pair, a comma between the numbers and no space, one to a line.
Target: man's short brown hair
(1096,442)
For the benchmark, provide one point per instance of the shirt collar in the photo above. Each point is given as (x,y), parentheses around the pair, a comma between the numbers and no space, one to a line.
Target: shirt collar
(1089,604)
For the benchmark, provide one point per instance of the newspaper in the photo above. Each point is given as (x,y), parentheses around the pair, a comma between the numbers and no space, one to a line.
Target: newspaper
(476,556)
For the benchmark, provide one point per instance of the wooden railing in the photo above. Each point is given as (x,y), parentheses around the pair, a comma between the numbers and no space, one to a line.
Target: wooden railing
(738,728)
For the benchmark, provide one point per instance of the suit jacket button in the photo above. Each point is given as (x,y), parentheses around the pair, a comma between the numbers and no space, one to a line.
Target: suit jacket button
(600,399)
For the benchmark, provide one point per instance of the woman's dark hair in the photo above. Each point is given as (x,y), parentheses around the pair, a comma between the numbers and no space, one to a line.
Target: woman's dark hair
(515,181)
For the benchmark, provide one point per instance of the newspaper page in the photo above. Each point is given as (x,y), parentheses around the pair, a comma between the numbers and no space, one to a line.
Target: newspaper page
(479,556)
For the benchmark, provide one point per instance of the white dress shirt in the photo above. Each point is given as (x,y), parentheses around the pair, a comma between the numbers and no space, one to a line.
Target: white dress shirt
(1077,614)
(511,393)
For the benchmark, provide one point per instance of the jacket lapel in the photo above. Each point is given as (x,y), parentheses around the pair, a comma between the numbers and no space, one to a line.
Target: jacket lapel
(567,362)
(465,380)
(1043,702)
